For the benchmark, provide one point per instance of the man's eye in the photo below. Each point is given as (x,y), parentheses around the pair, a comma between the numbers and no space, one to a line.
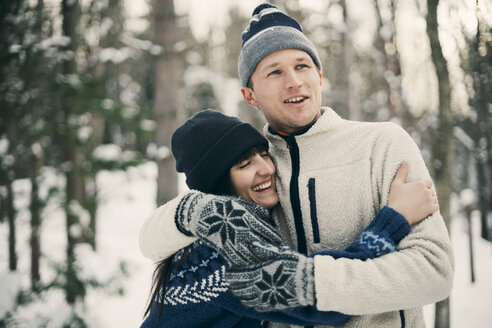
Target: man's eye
(276,72)
(301,66)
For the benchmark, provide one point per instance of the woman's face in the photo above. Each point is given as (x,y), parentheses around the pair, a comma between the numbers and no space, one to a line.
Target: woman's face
(253,179)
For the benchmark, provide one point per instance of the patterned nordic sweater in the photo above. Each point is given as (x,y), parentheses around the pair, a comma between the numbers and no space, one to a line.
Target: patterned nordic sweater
(198,296)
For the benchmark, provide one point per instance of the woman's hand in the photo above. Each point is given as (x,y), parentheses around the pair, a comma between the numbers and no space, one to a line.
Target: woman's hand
(414,200)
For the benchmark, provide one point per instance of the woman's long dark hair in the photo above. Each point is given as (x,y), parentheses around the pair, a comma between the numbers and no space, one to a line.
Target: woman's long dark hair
(160,277)
(162,272)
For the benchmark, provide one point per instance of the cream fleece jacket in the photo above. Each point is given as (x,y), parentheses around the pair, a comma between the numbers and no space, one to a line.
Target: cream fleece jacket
(346,169)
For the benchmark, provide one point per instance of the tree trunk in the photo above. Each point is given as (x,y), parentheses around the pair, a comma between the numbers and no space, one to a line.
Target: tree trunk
(486,231)
(482,191)
(391,64)
(73,288)
(35,161)
(442,147)
(3,196)
(88,183)
(480,55)
(482,74)
(468,210)
(349,89)
(101,75)
(10,208)
(35,207)
(166,95)
(11,219)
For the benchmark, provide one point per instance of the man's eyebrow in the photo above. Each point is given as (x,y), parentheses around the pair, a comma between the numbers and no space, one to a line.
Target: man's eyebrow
(275,64)
(299,59)
(272,65)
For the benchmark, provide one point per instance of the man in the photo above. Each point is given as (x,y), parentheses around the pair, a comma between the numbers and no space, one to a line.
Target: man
(332,175)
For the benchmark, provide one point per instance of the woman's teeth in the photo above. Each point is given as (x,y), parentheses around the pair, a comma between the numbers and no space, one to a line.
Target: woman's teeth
(262,186)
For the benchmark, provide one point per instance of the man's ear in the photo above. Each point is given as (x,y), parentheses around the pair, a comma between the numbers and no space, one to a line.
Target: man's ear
(249,96)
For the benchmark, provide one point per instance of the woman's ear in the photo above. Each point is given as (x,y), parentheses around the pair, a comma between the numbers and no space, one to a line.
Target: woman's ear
(249,96)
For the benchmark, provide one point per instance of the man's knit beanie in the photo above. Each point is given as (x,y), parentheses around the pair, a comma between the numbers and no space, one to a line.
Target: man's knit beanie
(208,144)
(269,31)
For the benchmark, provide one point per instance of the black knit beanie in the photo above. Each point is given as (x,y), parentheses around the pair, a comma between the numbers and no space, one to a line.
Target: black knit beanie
(269,31)
(208,144)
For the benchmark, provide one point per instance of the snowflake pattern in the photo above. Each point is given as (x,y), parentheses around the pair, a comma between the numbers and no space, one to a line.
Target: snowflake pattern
(274,287)
(223,221)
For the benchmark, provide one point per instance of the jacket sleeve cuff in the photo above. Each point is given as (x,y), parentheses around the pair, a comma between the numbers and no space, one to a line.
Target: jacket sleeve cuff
(183,214)
(391,224)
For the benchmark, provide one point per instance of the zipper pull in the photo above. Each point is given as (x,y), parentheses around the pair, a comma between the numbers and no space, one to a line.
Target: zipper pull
(290,140)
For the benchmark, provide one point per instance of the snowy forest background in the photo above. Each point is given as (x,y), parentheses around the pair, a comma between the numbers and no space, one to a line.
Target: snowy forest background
(90,92)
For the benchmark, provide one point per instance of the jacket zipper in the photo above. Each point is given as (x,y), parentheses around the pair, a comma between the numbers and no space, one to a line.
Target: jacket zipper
(294,193)
(312,206)
(402,318)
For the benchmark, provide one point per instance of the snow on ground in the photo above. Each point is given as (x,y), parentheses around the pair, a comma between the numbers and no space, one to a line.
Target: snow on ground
(130,198)
(470,301)
(127,199)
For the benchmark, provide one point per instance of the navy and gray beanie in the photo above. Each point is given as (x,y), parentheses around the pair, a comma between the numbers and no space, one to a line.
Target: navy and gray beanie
(269,31)
(208,144)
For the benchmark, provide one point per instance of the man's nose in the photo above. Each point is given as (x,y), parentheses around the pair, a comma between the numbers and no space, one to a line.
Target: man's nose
(292,79)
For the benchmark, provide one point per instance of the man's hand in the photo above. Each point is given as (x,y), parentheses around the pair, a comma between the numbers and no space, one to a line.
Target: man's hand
(414,200)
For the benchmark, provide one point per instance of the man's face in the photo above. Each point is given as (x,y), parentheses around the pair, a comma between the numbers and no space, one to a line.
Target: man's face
(286,86)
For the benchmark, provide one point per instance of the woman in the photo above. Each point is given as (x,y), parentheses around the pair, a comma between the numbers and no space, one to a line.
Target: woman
(222,156)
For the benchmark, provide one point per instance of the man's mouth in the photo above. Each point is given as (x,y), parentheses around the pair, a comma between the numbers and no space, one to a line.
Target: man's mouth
(295,100)
(262,186)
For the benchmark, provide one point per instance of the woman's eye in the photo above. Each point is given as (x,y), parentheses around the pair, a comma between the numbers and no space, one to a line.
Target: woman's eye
(301,66)
(243,165)
(276,72)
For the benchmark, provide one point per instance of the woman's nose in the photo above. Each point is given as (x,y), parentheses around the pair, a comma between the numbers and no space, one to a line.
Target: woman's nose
(265,167)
